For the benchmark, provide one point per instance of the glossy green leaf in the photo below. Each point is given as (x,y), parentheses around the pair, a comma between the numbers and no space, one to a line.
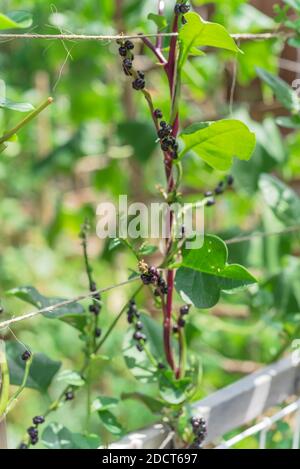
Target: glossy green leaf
(15,20)
(56,436)
(217,143)
(199,33)
(282,90)
(204,273)
(42,370)
(282,200)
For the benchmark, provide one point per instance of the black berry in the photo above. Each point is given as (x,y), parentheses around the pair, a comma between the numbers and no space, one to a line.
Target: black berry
(26,355)
(123,51)
(127,64)
(95,309)
(139,326)
(219,190)
(158,114)
(184,310)
(1,309)
(140,347)
(98,332)
(23,446)
(129,45)
(161,366)
(38,420)
(69,396)
(138,84)
(181,323)
(210,203)
(230,180)
(138,336)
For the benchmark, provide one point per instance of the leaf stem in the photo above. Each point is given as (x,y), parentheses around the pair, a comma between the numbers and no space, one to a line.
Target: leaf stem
(4,396)
(25,121)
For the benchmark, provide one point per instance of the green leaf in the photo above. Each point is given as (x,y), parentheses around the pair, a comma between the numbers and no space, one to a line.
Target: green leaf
(155,405)
(110,422)
(73,314)
(71,378)
(104,403)
(15,20)
(174,391)
(42,370)
(56,436)
(289,122)
(217,143)
(199,33)
(204,273)
(21,107)
(283,92)
(147,250)
(282,200)
(159,20)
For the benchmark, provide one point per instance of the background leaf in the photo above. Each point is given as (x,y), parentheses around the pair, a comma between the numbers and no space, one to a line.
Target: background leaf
(42,370)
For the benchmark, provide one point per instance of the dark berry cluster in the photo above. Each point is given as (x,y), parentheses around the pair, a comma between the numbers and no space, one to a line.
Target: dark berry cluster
(133,317)
(199,430)
(125,51)
(167,141)
(184,311)
(152,276)
(219,190)
(33,431)
(95,307)
(132,313)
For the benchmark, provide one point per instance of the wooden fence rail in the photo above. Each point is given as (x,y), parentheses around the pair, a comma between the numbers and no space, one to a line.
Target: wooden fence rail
(233,406)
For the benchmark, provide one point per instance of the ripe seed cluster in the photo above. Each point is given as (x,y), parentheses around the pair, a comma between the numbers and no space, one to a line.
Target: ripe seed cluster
(219,190)
(125,51)
(184,311)
(133,317)
(33,431)
(181,8)
(95,307)
(167,141)
(151,276)
(199,430)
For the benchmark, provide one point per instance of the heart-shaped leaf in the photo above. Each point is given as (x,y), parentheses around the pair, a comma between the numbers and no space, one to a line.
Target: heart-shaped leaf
(217,143)
(204,273)
(199,33)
